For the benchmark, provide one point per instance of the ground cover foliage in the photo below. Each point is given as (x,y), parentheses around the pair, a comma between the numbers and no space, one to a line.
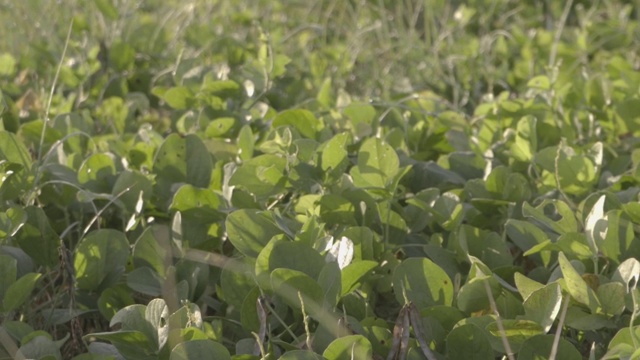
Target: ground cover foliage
(343,180)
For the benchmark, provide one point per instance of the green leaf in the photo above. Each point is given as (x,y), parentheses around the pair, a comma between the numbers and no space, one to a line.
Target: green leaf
(526,141)
(38,239)
(146,281)
(19,292)
(149,251)
(526,286)
(300,355)
(543,305)
(516,332)
(423,282)
(200,205)
(611,296)
(468,342)
(539,347)
(7,67)
(626,272)
(302,120)
(199,349)
(334,157)
(250,230)
(8,273)
(246,143)
(330,281)
(291,285)
(473,295)
(377,164)
(100,259)
(131,344)
(354,273)
(352,347)
(97,173)
(558,209)
(114,299)
(129,186)
(181,160)
(262,175)
(122,56)
(107,9)
(292,255)
(577,287)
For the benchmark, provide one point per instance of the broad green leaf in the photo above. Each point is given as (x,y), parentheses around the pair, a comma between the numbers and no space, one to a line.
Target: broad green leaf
(300,355)
(526,286)
(100,259)
(334,157)
(224,127)
(557,209)
(377,164)
(114,299)
(7,67)
(577,287)
(468,342)
(574,173)
(250,230)
(539,348)
(246,143)
(352,347)
(146,281)
(8,273)
(422,282)
(128,188)
(526,142)
(200,205)
(473,295)
(292,255)
(596,225)
(353,274)
(200,349)
(237,280)
(40,347)
(625,336)
(611,296)
(302,120)
(11,221)
(131,344)
(97,173)
(628,273)
(579,319)
(107,9)
(38,239)
(179,97)
(181,160)
(362,116)
(263,175)
(151,251)
(330,281)
(293,286)
(516,332)
(543,305)
(13,150)
(526,235)
(335,209)
(19,292)
(619,243)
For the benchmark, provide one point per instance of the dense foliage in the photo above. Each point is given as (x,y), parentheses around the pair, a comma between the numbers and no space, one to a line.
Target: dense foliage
(344,180)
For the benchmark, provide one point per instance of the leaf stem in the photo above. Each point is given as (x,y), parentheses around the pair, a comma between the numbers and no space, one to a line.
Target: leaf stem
(494,308)
(556,338)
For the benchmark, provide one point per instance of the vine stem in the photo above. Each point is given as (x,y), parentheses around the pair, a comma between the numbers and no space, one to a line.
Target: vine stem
(556,338)
(494,308)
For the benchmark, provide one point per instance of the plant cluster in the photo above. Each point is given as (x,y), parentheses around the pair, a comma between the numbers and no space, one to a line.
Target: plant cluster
(359,179)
